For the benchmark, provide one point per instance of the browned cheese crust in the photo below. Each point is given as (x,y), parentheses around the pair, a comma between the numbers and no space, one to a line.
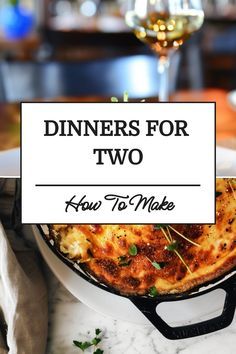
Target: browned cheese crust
(105,250)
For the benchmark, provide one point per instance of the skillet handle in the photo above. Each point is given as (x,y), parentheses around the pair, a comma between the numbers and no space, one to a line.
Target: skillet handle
(148,308)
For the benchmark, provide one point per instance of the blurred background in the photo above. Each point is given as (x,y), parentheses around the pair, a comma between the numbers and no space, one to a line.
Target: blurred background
(76,31)
(72,49)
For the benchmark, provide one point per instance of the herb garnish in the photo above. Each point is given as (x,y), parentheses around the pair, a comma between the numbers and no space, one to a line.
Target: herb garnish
(98,351)
(125,98)
(94,342)
(124,261)
(82,345)
(171,241)
(218,194)
(184,237)
(232,189)
(157,265)
(114,99)
(153,291)
(172,246)
(133,251)
(160,226)
(167,227)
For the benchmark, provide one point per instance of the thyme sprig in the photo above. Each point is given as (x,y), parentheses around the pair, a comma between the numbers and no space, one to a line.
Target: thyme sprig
(172,242)
(184,237)
(167,227)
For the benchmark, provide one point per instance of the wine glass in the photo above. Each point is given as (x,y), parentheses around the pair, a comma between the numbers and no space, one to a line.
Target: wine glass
(164,25)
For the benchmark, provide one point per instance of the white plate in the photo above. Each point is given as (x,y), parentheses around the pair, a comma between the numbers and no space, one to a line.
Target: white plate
(232,99)
(10,163)
(225,162)
(176,313)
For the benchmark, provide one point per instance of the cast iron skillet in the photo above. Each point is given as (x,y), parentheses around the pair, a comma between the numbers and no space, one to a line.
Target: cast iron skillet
(148,305)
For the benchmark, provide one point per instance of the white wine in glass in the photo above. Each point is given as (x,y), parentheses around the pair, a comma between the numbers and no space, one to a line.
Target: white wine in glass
(164,25)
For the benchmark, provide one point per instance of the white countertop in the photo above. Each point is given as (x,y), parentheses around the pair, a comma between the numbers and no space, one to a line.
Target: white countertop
(70,320)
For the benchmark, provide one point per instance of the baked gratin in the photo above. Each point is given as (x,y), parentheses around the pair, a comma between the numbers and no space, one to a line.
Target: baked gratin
(155,259)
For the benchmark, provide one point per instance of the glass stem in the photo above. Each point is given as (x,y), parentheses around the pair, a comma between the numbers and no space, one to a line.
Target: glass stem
(163,71)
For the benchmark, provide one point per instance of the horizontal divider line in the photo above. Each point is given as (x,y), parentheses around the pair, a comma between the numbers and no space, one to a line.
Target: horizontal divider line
(117,185)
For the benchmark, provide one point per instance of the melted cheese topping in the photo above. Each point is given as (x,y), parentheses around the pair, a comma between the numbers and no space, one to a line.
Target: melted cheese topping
(105,249)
